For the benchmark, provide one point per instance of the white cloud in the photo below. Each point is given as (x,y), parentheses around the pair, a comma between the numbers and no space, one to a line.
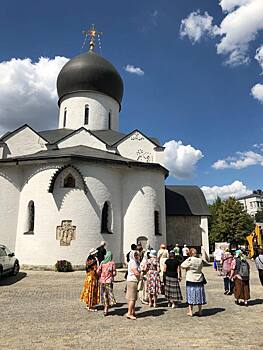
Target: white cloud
(28,92)
(236,189)
(196,26)
(241,161)
(257,92)
(181,160)
(240,26)
(133,70)
(230,5)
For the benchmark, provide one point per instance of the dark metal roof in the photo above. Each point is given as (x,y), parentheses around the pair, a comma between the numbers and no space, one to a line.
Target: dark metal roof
(108,136)
(52,136)
(84,153)
(90,72)
(185,201)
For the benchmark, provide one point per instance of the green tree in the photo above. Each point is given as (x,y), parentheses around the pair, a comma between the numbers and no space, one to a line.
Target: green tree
(229,222)
(259,216)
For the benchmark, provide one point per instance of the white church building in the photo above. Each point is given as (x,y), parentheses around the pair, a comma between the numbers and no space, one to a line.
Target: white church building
(63,191)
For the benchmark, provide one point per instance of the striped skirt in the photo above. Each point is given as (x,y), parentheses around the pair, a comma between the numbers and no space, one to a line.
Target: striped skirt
(172,290)
(195,293)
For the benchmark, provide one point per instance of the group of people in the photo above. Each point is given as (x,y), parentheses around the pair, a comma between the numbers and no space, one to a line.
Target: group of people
(151,273)
(235,270)
(155,273)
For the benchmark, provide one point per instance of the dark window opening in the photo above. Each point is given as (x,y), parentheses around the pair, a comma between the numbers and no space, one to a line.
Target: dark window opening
(157,223)
(86,118)
(105,222)
(69,181)
(30,218)
(109,126)
(65,117)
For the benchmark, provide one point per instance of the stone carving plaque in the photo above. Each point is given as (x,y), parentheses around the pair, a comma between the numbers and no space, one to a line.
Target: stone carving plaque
(66,232)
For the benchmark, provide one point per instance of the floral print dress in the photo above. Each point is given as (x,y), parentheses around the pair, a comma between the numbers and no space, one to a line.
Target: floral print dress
(153,277)
(91,293)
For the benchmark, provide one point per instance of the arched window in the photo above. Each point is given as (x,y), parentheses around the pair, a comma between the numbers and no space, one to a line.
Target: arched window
(86,117)
(69,181)
(30,217)
(109,125)
(65,117)
(106,218)
(157,223)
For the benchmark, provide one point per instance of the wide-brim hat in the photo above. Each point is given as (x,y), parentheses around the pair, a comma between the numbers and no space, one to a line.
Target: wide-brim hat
(93,251)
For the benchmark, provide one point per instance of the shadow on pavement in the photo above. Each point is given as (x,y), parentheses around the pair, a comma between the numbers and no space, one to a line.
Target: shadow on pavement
(9,280)
(255,302)
(121,311)
(152,312)
(212,311)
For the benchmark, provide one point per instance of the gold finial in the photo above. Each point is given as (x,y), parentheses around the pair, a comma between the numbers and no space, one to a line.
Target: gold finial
(92,34)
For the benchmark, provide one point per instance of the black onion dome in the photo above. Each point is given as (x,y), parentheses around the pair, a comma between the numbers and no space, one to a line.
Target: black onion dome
(90,72)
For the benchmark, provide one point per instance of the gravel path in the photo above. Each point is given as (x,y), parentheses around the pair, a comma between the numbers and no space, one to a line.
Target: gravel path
(41,310)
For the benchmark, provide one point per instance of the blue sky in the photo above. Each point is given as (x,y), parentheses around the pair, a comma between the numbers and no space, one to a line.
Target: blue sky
(187,91)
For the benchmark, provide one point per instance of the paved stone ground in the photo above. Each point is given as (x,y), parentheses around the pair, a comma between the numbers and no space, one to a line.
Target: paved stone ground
(41,310)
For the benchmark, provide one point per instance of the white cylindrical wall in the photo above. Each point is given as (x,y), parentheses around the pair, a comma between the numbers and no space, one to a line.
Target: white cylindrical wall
(143,193)
(101,109)
(84,210)
(10,182)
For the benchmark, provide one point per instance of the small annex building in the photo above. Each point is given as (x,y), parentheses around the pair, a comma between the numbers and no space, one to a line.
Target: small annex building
(186,217)
(65,190)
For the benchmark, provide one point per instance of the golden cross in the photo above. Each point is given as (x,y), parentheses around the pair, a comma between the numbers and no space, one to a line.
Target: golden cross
(91,33)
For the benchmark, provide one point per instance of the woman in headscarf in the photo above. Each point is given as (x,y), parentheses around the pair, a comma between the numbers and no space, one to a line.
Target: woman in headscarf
(195,291)
(90,293)
(143,294)
(240,271)
(162,255)
(173,275)
(153,278)
(106,272)
(133,277)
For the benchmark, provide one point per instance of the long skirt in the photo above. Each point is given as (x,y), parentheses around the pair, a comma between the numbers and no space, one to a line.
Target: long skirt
(106,294)
(172,290)
(241,289)
(90,293)
(153,283)
(195,293)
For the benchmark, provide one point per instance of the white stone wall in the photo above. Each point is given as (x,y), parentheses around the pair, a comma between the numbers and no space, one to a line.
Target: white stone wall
(143,193)
(205,239)
(82,138)
(99,107)
(10,182)
(133,194)
(138,147)
(24,142)
(42,248)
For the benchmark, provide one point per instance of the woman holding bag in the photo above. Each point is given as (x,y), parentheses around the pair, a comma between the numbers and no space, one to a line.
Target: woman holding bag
(195,290)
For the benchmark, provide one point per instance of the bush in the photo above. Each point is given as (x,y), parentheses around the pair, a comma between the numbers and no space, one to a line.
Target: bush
(63,266)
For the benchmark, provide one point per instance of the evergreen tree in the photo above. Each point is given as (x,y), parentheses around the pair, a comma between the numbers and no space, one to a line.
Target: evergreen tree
(229,222)
(259,216)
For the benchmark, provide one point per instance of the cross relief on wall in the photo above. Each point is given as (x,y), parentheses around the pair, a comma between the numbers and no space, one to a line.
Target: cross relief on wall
(66,232)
